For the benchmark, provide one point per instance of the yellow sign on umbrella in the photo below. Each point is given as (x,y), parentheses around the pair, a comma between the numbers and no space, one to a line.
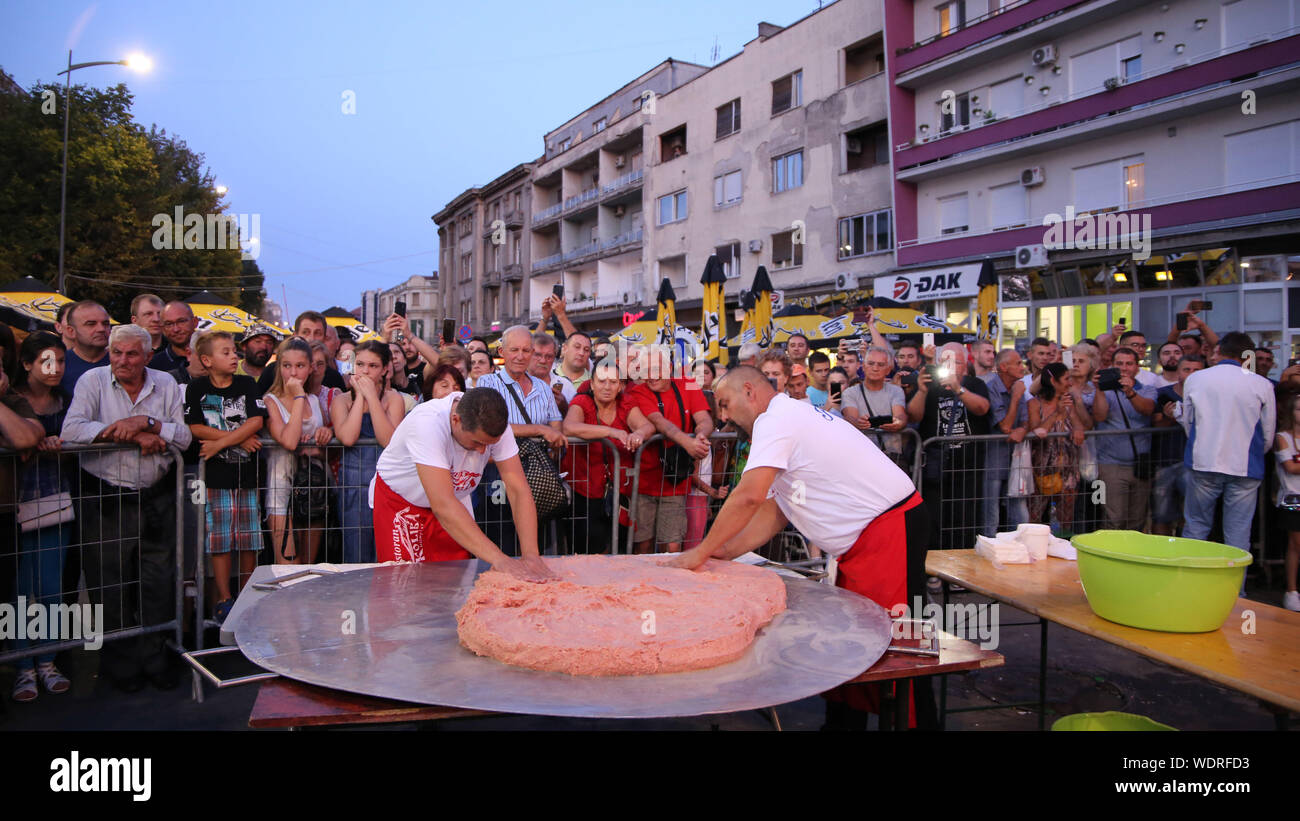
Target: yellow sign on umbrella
(713,330)
(215,315)
(339,318)
(34,298)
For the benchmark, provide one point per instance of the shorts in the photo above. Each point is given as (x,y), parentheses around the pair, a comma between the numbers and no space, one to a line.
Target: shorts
(233,521)
(1167,492)
(661,518)
(1289,520)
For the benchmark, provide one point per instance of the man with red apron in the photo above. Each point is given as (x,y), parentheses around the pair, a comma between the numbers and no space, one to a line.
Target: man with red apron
(817,472)
(425,476)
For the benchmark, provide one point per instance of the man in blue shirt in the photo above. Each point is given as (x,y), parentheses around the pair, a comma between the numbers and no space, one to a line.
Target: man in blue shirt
(1123,462)
(1167,450)
(90,326)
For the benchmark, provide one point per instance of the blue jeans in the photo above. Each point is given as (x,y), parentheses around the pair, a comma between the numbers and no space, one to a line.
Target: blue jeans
(40,575)
(1203,491)
(358,520)
(995,490)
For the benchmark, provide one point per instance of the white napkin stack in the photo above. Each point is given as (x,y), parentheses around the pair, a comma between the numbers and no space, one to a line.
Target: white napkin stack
(1026,544)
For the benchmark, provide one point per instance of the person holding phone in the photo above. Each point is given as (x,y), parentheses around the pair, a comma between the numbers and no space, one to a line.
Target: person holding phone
(875,404)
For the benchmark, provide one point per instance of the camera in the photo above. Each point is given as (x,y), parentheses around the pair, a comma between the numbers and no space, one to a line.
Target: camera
(1108,379)
(938,373)
(908,379)
(880,421)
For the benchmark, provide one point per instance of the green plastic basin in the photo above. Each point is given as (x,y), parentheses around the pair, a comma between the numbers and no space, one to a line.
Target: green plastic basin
(1111,721)
(1159,582)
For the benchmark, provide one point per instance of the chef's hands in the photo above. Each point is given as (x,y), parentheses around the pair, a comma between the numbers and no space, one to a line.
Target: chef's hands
(529,569)
(687,559)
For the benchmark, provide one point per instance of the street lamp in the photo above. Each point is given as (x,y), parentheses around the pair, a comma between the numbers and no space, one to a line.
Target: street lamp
(138,62)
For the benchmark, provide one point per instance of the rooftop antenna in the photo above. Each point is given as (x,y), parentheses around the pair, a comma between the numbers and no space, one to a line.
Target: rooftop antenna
(713,55)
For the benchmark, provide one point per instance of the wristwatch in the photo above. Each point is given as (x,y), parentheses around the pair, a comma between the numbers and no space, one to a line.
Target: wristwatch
(151,422)
(960,390)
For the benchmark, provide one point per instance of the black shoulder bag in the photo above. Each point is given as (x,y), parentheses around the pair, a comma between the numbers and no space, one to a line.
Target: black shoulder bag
(1143,469)
(676,461)
(551,494)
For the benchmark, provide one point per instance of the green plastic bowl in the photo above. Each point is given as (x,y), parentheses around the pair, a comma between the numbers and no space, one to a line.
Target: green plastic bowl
(1160,582)
(1111,721)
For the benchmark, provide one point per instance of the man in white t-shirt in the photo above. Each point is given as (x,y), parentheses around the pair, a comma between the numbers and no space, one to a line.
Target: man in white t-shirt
(818,473)
(424,478)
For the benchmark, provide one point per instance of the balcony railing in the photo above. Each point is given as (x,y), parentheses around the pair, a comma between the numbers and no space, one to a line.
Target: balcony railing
(546,262)
(547,213)
(624,181)
(514,218)
(492,279)
(622,239)
(581,199)
(512,272)
(581,251)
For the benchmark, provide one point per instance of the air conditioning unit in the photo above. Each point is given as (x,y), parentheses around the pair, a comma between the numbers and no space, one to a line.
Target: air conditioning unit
(755,245)
(620,161)
(1032,176)
(845,282)
(1043,55)
(854,145)
(1031,256)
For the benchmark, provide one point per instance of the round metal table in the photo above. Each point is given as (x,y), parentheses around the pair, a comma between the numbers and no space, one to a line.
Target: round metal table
(390,632)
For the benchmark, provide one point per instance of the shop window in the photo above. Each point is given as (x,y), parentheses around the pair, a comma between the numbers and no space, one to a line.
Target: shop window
(1264,269)
(1015,327)
(1062,283)
(1015,288)
(1119,275)
(1263,307)
(1218,266)
(1175,269)
(1094,278)
(1036,284)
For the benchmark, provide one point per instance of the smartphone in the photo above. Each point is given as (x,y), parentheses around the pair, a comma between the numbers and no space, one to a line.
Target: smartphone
(835,390)
(1123,321)
(448,330)
(558,289)
(1182,321)
(1207,306)
(399,307)
(927,340)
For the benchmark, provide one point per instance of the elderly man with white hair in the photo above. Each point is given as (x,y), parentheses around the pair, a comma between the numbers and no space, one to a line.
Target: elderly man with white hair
(749,354)
(530,403)
(127,501)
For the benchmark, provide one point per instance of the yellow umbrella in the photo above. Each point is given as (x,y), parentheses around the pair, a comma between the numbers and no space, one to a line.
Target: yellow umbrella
(340,318)
(714,323)
(214,314)
(762,311)
(35,298)
(667,319)
(986,321)
(889,320)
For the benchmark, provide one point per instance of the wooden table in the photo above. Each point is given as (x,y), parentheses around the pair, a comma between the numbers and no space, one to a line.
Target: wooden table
(1264,663)
(284,703)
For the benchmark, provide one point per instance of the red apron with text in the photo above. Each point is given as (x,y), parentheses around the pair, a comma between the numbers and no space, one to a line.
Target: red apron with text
(876,567)
(409,533)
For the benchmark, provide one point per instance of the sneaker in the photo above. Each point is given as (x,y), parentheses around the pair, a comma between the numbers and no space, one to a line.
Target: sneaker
(222,610)
(1291,601)
(25,685)
(51,679)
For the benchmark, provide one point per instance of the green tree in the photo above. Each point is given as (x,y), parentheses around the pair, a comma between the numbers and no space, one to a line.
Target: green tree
(119,177)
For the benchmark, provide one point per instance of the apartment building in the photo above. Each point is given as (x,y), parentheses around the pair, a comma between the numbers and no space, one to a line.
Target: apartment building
(486,252)
(423,298)
(587,226)
(1169,131)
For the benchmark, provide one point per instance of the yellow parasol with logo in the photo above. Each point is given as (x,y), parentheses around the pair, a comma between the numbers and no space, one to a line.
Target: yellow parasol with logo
(713,330)
(215,314)
(986,320)
(29,299)
(342,319)
(757,326)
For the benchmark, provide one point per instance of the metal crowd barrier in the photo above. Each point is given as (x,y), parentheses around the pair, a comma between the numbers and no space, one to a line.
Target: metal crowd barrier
(89,552)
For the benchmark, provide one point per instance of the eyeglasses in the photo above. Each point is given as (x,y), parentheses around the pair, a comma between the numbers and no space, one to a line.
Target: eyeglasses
(175,323)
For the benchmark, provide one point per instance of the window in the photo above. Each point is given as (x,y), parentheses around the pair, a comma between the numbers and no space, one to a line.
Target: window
(1131,68)
(672,207)
(674,268)
(672,144)
(726,189)
(955,113)
(787,171)
(954,214)
(865,234)
(1250,21)
(415,300)
(952,16)
(1135,187)
(598,126)
(1242,152)
(864,59)
(785,252)
(1007,98)
(787,92)
(466,270)
(866,147)
(1008,207)
(1104,186)
(566,144)
(729,256)
(1090,71)
(729,118)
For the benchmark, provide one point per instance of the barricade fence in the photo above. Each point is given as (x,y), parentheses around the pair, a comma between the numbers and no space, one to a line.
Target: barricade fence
(89,556)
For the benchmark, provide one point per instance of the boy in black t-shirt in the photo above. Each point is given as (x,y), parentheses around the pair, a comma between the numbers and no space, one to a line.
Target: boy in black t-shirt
(225,411)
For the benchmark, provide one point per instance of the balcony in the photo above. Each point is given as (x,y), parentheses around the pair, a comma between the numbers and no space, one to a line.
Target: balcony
(627,180)
(492,279)
(581,251)
(579,200)
(548,213)
(626,238)
(547,262)
(514,218)
(514,272)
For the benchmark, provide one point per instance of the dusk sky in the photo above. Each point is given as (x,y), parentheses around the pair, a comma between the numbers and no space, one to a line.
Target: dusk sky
(448,95)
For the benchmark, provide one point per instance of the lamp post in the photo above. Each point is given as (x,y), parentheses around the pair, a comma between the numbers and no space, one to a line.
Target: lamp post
(137,61)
